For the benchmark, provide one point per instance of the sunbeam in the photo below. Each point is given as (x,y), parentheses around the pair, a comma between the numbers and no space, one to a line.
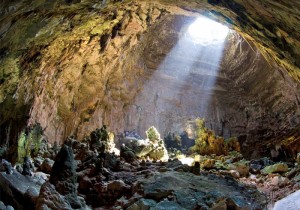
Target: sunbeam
(194,61)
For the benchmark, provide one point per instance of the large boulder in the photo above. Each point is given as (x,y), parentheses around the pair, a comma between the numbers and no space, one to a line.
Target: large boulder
(19,190)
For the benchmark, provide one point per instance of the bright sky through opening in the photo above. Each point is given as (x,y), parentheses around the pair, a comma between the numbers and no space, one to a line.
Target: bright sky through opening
(205,31)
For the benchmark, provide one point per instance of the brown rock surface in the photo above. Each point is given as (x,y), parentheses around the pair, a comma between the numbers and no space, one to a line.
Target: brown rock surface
(73,67)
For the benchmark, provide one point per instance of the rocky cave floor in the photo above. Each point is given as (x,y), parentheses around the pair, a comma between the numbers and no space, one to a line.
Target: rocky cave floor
(80,176)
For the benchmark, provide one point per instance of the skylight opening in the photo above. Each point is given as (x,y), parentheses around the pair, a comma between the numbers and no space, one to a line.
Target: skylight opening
(206,31)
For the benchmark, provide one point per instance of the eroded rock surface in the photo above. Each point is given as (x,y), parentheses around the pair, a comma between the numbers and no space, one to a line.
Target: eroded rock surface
(63,176)
(74,66)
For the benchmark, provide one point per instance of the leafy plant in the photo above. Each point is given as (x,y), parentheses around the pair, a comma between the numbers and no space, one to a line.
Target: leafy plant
(152,134)
(206,141)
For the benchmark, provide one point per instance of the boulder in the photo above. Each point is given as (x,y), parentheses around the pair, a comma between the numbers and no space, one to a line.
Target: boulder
(234,174)
(259,164)
(27,166)
(276,168)
(46,166)
(21,190)
(240,167)
(279,181)
(2,206)
(152,147)
(38,161)
(6,167)
(128,154)
(49,198)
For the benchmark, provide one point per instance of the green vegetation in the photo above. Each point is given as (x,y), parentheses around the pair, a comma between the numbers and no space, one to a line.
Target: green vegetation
(206,141)
(152,134)
(29,142)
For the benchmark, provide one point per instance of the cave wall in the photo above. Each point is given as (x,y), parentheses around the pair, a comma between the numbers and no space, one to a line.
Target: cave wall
(74,66)
(242,95)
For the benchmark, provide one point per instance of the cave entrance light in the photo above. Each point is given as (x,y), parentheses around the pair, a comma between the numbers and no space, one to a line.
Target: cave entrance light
(206,31)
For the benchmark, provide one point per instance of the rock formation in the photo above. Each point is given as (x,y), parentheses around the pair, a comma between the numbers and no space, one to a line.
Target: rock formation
(68,68)
(78,65)
(63,176)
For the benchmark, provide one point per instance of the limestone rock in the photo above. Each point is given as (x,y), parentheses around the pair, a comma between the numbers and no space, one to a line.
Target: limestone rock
(9,207)
(192,192)
(6,167)
(276,168)
(63,176)
(46,166)
(2,206)
(32,194)
(38,161)
(298,158)
(240,167)
(234,173)
(165,205)
(152,147)
(21,189)
(49,198)
(27,166)
(279,181)
(142,204)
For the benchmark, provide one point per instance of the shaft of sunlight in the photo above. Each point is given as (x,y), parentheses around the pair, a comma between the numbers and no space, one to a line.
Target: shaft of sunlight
(189,72)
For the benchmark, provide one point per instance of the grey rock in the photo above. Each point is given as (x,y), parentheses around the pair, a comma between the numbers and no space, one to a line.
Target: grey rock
(168,205)
(63,176)
(49,198)
(6,166)
(2,206)
(193,191)
(15,186)
(9,207)
(142,204)
(32,194)
(47,165)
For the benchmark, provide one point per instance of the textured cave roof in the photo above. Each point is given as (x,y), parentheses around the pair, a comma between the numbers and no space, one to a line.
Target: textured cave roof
(272,25)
